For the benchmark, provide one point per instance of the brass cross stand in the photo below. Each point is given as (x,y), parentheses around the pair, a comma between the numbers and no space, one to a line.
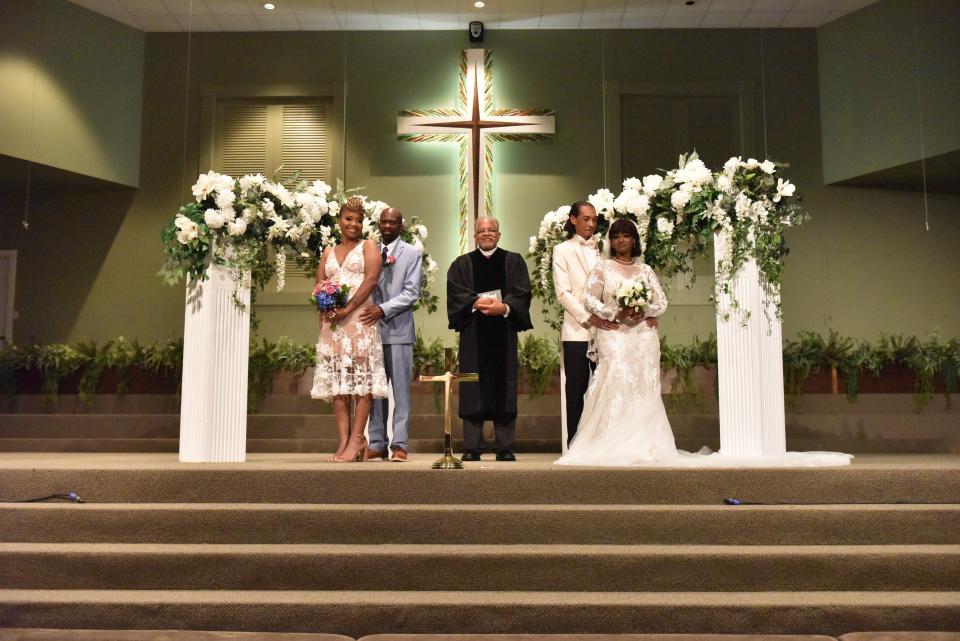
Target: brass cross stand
(448,461)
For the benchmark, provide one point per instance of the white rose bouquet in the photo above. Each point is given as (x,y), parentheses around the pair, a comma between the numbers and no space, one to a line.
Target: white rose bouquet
(633,293)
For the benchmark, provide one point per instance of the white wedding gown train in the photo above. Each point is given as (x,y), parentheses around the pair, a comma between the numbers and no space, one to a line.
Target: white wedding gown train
(624,422)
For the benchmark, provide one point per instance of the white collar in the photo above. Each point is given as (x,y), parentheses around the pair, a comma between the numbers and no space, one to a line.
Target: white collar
(392,247)
(487,253)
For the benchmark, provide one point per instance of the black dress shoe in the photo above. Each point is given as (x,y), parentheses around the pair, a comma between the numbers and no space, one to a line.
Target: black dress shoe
(470,456)
(506,456)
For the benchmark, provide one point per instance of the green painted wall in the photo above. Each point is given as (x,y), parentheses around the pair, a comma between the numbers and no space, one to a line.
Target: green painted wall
(872,63)
(863,266)
(72,88)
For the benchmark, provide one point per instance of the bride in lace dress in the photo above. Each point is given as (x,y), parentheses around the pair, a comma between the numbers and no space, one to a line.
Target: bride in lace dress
(350,356)
(624,421)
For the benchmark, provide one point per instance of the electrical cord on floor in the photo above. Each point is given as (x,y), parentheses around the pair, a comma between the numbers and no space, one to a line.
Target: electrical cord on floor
(71,496)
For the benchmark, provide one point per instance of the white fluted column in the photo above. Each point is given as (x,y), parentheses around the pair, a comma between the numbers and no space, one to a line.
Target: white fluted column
(216,345)
(750,367)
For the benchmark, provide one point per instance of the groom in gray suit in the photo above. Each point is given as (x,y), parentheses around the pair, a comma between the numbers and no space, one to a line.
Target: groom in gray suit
(394,298)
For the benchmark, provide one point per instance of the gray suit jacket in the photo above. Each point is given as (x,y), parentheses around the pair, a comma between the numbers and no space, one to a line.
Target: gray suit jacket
(396,293)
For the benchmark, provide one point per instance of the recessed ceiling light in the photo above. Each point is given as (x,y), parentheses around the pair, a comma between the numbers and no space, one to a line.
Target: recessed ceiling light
(479,4)
(269,6)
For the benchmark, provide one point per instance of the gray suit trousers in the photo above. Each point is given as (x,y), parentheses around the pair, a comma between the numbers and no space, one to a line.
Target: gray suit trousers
(398,362)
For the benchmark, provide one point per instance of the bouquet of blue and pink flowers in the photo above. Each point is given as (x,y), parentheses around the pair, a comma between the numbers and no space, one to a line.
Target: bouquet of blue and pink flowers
(330,295)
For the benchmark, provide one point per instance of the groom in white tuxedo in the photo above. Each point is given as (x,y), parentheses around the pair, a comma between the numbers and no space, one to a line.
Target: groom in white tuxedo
(572,262)
(397,292)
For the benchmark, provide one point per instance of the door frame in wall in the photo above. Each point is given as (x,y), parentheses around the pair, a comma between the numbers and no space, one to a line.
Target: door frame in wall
(684,291)
(7,318)
(335,92)
(743,90)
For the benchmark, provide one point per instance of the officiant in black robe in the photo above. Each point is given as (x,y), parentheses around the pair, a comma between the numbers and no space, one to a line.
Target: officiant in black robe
(488,302)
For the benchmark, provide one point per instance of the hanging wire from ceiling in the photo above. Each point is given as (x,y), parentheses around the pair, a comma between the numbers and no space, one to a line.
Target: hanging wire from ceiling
(763,90)
(35,17)
(603,94)
(346,93)
(923,150)
(186,100)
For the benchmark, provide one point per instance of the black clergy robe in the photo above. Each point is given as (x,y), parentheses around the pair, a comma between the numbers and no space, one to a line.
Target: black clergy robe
(488,344)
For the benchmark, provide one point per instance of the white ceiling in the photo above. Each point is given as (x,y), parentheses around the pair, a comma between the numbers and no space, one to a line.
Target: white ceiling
(333,15)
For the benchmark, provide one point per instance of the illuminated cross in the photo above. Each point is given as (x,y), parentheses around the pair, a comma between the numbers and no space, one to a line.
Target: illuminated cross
(476,125)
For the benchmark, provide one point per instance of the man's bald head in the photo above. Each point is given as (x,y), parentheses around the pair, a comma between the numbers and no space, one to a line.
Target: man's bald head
(390,224)
(486,232)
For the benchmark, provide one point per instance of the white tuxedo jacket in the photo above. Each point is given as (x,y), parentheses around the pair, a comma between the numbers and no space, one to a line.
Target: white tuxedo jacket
(570,271)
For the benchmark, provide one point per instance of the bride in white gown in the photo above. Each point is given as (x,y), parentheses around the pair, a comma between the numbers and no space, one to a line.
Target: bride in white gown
(624,422)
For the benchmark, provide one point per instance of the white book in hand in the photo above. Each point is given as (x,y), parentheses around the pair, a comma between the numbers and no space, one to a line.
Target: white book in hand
(494,294)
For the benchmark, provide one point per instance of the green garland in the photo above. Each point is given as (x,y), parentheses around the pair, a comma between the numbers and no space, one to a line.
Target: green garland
(927,358)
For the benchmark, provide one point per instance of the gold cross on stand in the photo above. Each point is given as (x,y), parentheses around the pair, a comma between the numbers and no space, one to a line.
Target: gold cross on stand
(448,461)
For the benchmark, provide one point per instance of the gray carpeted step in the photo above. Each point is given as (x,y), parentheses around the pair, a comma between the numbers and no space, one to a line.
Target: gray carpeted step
(485,524)
(869,433)
(485,483)
(473,567)
(360,613)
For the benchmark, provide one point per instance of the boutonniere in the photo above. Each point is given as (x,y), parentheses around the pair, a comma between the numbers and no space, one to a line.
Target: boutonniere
(391,260)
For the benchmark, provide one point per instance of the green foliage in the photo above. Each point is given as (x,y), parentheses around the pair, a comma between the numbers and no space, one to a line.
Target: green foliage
(260,370)
(56,362)
(13,358)
(293,357)
(120,355)
(190,260)
(801,358)
(91,373)
(164,358)
(809,354)
(430,358)
(682,358)
(925,359)
(541,358)
(948,370)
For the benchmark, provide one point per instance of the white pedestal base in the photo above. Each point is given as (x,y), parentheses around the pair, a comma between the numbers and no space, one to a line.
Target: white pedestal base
(216,346)
(750,369)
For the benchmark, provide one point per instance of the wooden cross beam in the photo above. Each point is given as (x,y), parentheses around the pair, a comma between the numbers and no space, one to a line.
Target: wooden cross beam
(475,124)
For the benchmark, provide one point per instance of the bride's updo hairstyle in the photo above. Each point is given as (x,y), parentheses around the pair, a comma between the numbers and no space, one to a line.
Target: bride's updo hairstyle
(574,212)
(354,204)
(626,226)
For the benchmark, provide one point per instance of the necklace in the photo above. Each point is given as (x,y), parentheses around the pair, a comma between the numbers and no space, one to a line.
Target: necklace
(623,262)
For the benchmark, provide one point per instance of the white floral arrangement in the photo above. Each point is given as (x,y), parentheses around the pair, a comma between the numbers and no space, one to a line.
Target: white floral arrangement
(751,210)
(677,213)
(550,234)
(633,293)
(236,222)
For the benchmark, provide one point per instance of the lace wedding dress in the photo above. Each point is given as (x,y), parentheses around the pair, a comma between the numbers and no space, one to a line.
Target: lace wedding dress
(350,357)
(624,422)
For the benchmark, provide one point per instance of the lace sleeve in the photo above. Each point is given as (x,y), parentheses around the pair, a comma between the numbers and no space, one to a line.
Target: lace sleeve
(659,303)
(593,294)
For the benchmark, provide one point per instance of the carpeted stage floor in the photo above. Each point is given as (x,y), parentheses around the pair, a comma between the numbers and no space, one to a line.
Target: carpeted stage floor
(291,542)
